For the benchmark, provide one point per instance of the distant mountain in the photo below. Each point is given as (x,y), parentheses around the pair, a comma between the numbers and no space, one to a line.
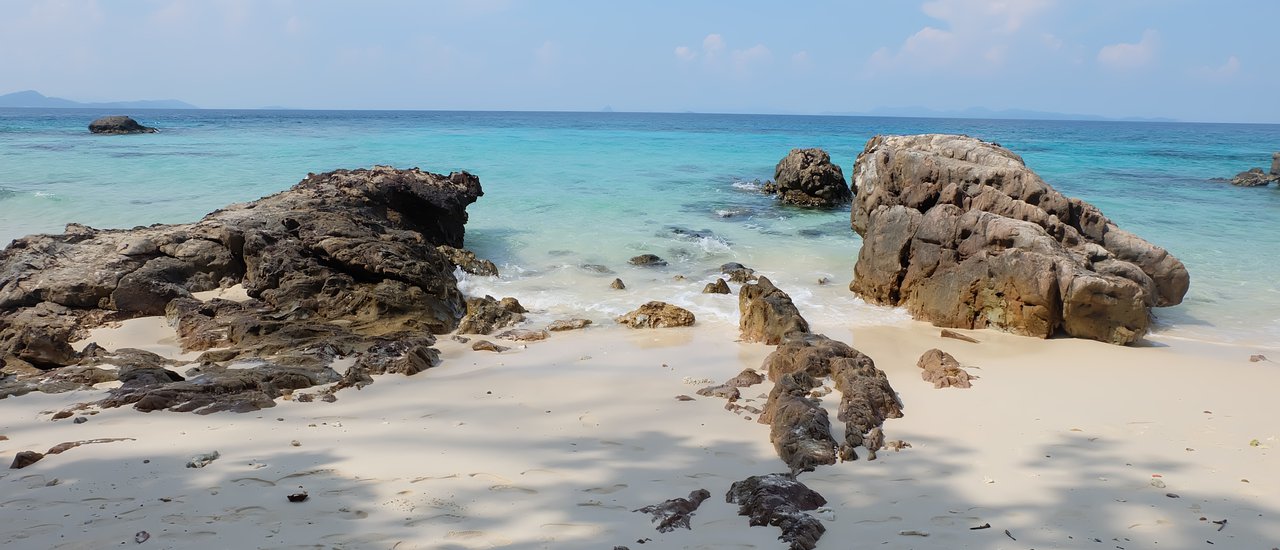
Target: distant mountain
(1000,114)
(32,98)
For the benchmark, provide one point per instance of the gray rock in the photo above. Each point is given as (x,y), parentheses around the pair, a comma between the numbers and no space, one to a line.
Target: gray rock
(806,177)
(119,124)
(738,273)
(617,284)
(964,235)
(675,513)
(202,460)
(1275,164)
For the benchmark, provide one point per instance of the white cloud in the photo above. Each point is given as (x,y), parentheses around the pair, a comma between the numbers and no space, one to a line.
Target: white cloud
(976,32)
(1219,73)
(1130,55)
(712,45)
(683,53)
(744,59)
(801,60)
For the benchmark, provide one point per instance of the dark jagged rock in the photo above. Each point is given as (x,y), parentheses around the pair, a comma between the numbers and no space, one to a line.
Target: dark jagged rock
(798,425)
(675,513)
(866,398)
(647,260)
(942,370)
(718,287)
(119,124)
(24,459)
(781,501)
(964,235)
(485,315)
(657,315)
(467,261)
(767,313)
(1254,177)
(745,379)
(738,273)
(806,177)
(343,265)
(617,284)
(723,390)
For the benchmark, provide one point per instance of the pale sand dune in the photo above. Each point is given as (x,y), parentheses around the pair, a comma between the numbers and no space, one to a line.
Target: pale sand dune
(552,445)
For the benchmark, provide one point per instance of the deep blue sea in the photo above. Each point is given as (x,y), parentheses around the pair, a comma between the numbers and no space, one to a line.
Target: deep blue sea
(564,190)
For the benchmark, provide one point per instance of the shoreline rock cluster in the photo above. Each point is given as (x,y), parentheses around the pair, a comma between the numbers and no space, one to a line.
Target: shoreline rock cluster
(964,235)
(343,265)
(1255,177)
(119,125)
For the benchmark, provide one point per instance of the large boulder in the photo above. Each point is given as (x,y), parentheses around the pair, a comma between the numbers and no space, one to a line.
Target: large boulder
(806,177)
(964,235)
(343,265)
(767,314)
(657,314)
(116,125)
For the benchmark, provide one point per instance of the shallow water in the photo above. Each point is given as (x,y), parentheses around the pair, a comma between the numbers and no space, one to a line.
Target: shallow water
(564,190)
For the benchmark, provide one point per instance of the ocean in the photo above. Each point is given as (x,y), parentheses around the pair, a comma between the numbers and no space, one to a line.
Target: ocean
(569,197)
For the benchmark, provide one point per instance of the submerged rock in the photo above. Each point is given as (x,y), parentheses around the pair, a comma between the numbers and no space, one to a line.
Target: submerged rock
(738,273)
(964,235)
(647,260)
(781,501)
(657,315)
(806,177)
(344,265)
(119,124)
(617,284)
(718,287)
(767,314)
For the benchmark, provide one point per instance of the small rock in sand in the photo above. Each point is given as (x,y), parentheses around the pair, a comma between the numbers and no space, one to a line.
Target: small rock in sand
(459,339)
(295,443)
(485,345)
(568,324)
(24,459)
(81,419)
(298,497)
(718,287)
(946,333)
(141,537)
(683,398)
(202,460)
(523,335)
(62,414)
(1257,358)
(649,260)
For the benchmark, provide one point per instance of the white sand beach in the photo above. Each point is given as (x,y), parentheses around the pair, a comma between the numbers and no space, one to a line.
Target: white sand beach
(1058,444)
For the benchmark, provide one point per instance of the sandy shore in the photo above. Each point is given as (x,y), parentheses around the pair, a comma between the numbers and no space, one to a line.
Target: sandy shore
(1059,444)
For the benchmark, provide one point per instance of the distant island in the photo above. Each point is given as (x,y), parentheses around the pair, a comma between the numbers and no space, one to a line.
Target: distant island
(34,99)
(995,114)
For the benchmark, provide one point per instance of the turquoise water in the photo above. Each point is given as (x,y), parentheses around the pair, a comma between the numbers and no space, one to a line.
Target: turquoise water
(567,189)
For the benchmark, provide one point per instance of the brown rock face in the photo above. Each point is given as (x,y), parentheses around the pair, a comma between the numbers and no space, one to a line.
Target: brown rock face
(964,235)
(767,314)
(344,264)
(657,315)
(942,370)
(806,177)
(485,315)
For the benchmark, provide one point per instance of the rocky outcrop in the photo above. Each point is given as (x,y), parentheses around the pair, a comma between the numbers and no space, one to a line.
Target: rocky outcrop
(806,177)
(117,125)
(942,370)
(1254,177)
(964,235)
(767,314)
(657,315)
(738,273)
(800,429)
(780,500)
(467,261)
(343,265)
(1275,164)
(718,287)
(675,513)
(485,315)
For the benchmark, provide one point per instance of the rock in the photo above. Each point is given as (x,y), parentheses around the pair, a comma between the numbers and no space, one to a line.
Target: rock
(202,460)
(467,261)
(766,313)
(657,315)
(718,287)
(942,370)
(298,497)
(799,427)
(1275,164)
(957,336)
(745,379)
(806,177)
(684,398)
(523,335)
(723,390)
(119,125)
(738,273)
(1254,177)
(618,284)
(1257,357)
(676,512)
(781,501)
(647,260)
(964,235)
(485,345)
(24,459)
(866,399)
(568,324)
(485,315)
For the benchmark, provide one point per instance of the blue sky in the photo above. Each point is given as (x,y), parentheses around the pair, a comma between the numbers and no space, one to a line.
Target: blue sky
(1185,59)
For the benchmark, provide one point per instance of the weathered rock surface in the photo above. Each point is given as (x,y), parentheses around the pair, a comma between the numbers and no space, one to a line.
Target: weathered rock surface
(485,315)
(617,284)
(523,335)
(942,370)
(798,366)
(806,177)
(964,235)
(647,260)
(1275,164)
(119,124)
(24,459)
(467,261)
(718,287)
(342,265)
(485,345)
(767,314)
(562,325)
(781,501)
(675,513)
(1255,177)
(657,314)
(738,273)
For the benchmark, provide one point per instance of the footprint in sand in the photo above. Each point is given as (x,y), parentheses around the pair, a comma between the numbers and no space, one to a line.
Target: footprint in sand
(701,475)
(606,490)
(347,513)
(512,489)
(947,521)
(492,477)
(601,505)
(618,444)
(889,519)
(306,473)
(572,531)
(436,519)
(431,478)
(538,471)
(478,537)
(243,481)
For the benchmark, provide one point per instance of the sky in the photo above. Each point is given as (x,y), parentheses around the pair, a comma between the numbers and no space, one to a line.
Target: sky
(1194,60)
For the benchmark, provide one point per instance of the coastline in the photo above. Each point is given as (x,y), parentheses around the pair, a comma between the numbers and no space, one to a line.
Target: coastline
(1058,441)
